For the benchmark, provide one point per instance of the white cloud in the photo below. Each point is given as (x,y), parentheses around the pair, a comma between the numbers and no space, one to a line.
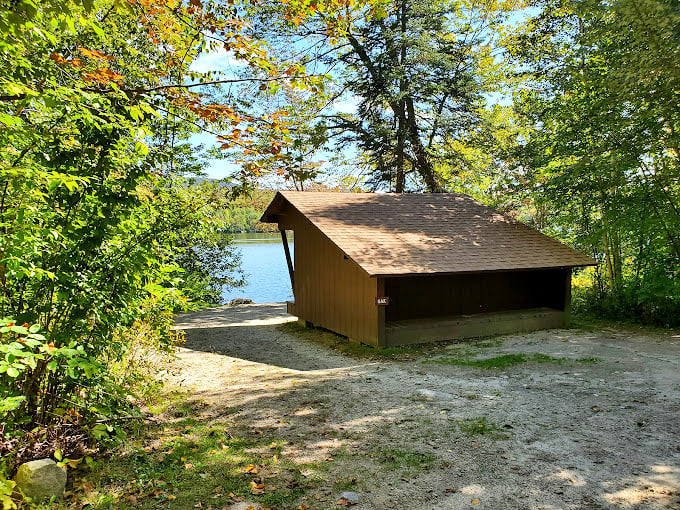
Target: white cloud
(345,107)
(218,60)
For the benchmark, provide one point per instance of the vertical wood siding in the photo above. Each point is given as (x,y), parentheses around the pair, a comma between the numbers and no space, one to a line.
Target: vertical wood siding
(432,296)
(330,290)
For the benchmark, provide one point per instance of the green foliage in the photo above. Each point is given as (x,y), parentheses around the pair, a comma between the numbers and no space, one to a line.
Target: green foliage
(6,491)
(98,235)
(201,249)
(28,358)
(600,161)
(243,213)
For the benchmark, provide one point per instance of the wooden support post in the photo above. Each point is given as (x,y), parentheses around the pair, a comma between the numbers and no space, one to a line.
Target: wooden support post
(291,271)
(567,292)
(380,288)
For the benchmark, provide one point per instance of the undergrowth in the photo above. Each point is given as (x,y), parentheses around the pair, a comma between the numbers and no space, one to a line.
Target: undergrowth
(192,461)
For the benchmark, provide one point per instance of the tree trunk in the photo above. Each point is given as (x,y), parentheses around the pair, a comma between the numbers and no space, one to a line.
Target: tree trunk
(423,164)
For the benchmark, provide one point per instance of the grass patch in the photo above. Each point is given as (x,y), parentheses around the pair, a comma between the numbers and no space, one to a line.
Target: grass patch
(480,427)
(595,324)
(407,461)
(345,484)
(507,360)
(354,349)
(188,461)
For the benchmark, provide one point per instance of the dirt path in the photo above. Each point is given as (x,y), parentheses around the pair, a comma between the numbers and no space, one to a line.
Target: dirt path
(580,433)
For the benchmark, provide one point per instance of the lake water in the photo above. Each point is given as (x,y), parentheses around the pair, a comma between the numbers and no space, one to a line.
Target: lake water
(264,263)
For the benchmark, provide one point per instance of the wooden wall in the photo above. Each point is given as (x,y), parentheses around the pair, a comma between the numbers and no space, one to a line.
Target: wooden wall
(330,290)
(432,296)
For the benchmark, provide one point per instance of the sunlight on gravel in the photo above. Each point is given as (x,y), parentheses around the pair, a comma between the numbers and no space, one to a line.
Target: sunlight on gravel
(584,419)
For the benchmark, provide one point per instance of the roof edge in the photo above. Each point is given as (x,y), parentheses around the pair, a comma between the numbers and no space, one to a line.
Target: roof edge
(274,207)
(452,273)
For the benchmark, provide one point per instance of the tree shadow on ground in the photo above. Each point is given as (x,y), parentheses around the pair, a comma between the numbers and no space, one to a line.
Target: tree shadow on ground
(250,332)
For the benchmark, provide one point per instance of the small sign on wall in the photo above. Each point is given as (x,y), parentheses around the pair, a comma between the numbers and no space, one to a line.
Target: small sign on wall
(382,301)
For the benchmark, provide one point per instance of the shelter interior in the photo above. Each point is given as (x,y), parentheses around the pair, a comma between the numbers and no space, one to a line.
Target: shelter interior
(438,307)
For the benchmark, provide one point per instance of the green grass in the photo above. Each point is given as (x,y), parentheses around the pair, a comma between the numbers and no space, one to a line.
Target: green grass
(593,323)
(480,427)
(345,484)
(506,360)
(189,461)
(406,461)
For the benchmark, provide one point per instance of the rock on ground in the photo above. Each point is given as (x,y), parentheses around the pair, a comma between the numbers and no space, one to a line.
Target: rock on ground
(41,479)
(351,498)
(434,394)
(240,301)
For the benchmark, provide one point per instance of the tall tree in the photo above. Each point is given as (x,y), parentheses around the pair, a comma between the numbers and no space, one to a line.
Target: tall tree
(95,96)
(417,71)
(603,155)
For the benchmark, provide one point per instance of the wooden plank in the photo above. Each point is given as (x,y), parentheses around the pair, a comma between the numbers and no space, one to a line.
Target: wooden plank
(286,249)
(381,311)
(470,326)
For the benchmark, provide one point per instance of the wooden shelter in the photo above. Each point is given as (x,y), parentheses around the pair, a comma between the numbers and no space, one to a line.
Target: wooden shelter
(393,269)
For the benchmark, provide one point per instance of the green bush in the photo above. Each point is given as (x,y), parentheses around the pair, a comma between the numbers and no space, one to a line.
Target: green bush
(631,304)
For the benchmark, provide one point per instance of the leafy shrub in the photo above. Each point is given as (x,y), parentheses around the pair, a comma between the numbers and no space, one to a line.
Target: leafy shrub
(630,304)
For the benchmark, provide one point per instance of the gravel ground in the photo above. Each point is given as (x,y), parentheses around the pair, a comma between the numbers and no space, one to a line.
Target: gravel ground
(569,435)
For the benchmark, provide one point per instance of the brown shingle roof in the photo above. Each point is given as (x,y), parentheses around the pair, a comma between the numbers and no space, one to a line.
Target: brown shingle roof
(400,234)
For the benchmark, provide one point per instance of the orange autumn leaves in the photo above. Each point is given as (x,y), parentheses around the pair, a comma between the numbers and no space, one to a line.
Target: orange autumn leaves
(176,26)
(94,69)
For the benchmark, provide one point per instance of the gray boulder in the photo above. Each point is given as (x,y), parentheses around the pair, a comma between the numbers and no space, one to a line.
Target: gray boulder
(41,479)
(349,498)
(240,301)
(434,395)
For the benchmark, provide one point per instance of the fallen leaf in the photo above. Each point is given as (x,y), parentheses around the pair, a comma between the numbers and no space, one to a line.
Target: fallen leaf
(212,452)
(251,468)
(188,465)
(475,501)
(257,488)
(345,502)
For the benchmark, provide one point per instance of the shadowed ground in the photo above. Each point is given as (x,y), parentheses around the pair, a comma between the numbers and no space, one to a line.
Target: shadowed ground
(584,420)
